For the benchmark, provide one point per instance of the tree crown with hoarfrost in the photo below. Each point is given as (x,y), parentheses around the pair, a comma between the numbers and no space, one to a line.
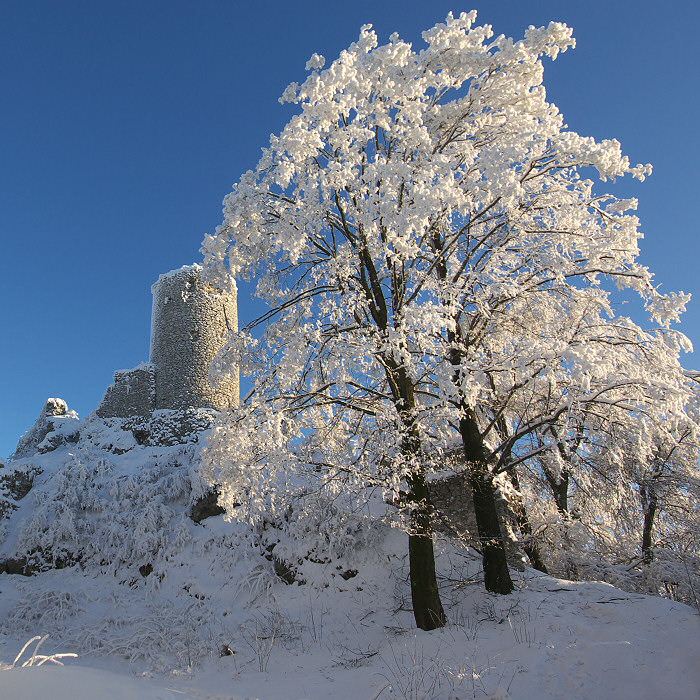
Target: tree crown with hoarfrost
(430,209)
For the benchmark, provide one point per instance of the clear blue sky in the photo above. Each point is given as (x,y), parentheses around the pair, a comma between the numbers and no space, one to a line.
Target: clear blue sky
(123,124)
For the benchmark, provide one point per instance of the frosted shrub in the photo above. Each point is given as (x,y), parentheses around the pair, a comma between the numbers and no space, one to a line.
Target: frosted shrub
(36,659)
(101,512)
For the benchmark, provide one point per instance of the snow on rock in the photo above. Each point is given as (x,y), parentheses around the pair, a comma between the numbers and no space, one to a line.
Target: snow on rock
(55,426)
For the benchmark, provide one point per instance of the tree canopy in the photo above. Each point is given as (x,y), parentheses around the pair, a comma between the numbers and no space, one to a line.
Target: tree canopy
(438,266)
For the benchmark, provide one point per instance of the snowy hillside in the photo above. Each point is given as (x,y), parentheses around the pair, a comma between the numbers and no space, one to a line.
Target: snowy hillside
(157,605)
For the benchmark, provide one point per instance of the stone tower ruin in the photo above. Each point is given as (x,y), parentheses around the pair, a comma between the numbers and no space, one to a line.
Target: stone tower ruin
(189,325)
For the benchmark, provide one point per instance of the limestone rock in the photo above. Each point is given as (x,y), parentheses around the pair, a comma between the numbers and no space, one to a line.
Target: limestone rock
(55,426)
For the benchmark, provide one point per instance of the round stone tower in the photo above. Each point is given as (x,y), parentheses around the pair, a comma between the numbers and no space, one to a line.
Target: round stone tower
(190,322)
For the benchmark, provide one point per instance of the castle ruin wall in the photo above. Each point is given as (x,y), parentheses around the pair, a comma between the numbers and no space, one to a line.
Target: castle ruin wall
(132,394)
(190,322)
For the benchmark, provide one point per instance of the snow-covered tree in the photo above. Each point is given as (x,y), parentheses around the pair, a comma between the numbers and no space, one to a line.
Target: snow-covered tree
(618,477)
(426,234)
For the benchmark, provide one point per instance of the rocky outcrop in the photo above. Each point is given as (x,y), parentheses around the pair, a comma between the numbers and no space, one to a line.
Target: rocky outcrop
(16,481)
(55,426)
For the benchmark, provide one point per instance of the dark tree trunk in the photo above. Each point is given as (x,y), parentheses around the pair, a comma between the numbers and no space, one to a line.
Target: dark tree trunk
(559,486)
(496,574)
(493,552)
(650,503)
(559,483)
(427,608)
(529,544)
(425,595)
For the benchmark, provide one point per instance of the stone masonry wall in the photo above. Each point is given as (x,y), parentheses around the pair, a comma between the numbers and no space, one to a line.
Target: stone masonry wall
(453,501)
(190,322)
(454,505)
(132,394)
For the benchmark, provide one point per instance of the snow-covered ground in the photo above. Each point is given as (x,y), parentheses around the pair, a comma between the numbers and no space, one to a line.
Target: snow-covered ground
(160,607)
(551,639)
